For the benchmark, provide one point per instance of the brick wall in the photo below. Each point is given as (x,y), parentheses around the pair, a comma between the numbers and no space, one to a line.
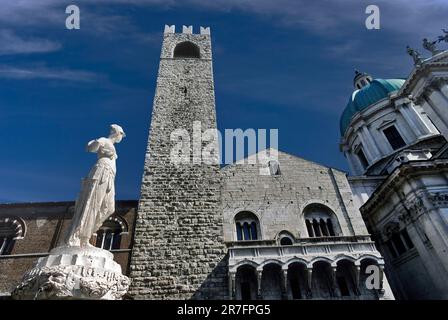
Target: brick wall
(45,227)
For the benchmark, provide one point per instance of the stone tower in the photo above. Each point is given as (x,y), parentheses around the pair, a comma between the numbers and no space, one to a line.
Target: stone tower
(179,251)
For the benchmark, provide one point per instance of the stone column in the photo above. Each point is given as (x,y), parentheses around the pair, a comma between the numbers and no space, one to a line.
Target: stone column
(357,273)
(3,245)
(309,278)
(371,142)
(259,276)
(334,285)
(381,267)
(325,228)
(350,162)
(285,284)
(413,123)
(440,119)
(312,234)
(366,148)
(232,289)
(431,263)
(438,231)
(443,87)
(425,128)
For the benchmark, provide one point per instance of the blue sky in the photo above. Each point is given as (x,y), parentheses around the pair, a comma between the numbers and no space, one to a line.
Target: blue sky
(285,64)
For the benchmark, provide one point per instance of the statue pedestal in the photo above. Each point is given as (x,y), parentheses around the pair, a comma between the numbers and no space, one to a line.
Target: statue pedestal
(74,273)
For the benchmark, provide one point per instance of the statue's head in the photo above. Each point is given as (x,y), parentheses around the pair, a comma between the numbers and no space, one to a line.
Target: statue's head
(116,133)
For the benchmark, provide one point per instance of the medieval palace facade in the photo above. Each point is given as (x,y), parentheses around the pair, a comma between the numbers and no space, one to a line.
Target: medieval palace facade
(301,230)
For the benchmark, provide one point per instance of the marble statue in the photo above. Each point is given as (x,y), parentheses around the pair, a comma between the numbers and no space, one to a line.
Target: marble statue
(78,270)
(96,201)
(415,55)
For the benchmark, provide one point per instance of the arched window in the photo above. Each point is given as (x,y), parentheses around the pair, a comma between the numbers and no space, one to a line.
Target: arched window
(285,238)
(247,226)
(186,49)
(320,221)
(109,235)
(286,241)
(11,229)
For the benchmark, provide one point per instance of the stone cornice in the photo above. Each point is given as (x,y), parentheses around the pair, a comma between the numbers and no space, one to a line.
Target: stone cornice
(432,82)
(397,177)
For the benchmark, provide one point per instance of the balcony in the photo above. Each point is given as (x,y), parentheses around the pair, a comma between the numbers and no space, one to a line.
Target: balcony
(306,250)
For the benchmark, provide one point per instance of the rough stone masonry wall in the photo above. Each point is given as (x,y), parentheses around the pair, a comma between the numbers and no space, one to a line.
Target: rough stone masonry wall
(179,251)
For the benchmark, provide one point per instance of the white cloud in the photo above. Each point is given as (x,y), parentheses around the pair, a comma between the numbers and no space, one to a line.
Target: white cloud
(13,44)
(328,19)
(29,73)
(319,16)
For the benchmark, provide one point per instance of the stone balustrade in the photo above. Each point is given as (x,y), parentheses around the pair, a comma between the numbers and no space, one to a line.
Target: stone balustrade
(331,249)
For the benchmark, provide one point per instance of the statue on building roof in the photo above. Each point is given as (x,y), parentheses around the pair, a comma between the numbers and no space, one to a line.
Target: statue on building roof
(415,55)
(430,46)
(443,37)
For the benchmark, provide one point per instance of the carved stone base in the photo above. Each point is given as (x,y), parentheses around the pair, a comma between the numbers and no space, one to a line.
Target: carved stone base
(74,273)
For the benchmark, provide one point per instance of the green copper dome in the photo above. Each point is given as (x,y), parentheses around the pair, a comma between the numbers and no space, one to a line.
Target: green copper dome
(363,98)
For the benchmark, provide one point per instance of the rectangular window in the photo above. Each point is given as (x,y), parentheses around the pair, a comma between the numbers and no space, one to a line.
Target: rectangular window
(391,249)
(394,138)
(399,245)
(362,158)
(407,239)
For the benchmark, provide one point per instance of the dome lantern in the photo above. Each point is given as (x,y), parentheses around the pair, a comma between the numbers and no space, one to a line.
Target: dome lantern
(361,79)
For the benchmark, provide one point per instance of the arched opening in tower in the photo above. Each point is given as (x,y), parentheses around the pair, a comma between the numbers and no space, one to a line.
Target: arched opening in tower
(186,49)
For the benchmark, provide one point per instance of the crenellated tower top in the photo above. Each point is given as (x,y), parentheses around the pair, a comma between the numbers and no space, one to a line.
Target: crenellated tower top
(186,45)
(187,29)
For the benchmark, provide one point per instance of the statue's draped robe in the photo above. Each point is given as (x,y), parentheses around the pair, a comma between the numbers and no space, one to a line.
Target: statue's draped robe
(96,201)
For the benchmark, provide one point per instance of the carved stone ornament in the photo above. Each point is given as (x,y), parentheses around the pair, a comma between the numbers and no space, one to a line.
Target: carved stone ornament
(405,216)
(74,273)
(439,198)
(390,228)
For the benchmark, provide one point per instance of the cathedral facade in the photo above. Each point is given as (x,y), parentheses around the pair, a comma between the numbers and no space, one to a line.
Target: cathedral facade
(272,225)
(394,135)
